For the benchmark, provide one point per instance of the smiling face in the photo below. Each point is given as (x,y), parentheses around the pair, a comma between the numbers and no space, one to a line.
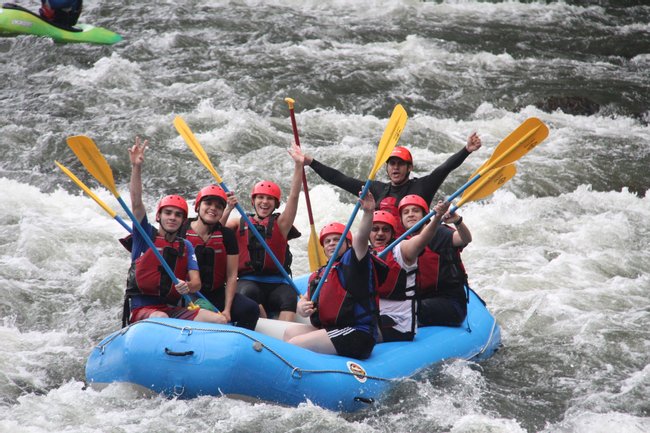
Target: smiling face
(410,215)
(398,170)
(211,209)
(380,235)
(264,205)
(171,218)
(330,242)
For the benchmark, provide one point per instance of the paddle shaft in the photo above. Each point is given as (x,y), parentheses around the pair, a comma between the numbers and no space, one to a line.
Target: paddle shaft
(335,254)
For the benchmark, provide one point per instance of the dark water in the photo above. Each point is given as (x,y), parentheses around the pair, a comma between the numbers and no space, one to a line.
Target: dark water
(560,253)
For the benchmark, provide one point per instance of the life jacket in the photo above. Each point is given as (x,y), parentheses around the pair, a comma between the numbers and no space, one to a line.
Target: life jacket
(253,258)
(394,286)
(426,276)
(441,269)
(211,257)
(148,277)
(337,307)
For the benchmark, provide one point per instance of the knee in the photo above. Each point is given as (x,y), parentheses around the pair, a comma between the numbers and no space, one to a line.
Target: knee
(158,314)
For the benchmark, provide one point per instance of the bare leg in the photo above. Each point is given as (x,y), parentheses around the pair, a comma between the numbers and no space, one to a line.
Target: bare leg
(316,341)
(287,316)
(210,316)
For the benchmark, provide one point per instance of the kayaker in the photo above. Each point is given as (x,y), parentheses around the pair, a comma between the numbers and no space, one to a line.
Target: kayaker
(259,277)
(440,277)
(398,168)
(397,306)
(150,289)
(63,13)
(217,254)
(344,314)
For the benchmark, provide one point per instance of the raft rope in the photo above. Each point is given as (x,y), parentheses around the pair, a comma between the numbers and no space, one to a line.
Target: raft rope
(296,372)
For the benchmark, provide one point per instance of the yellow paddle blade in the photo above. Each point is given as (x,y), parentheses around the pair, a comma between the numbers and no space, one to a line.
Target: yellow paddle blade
(317,258)
(194,145)
(520,141)
(389,138)
(290,102)
(87,190)
(91,158)
(488,183)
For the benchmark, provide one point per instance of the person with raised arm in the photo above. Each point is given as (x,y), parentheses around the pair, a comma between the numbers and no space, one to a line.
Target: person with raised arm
(259,278)
(344,313)
(150,291)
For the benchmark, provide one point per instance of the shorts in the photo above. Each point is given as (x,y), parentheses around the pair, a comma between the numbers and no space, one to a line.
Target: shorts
(351,342)
(142,313)
(274,297)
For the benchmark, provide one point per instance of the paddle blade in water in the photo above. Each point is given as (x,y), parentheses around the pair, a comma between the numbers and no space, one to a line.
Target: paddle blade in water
(488,183)
(520,141)
(91,158)
(389,138)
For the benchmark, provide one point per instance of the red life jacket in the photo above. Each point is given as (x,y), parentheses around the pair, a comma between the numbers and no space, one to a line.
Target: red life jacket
(394,286)
(336,307)
(451,271)
(212,259)
(253,258)
(151,278)
(426,276)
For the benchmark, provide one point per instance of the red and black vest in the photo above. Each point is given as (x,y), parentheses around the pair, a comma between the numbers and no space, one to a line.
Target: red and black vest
(253,258)
(149,277)
(212,258)
(394,286)
(337,307)
(440,269)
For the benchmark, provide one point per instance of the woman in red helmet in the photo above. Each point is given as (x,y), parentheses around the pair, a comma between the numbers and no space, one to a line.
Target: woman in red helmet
(149,288)
(217,254)
(398,168)
(344,314)
(259,278)
(397,306)
(440,277)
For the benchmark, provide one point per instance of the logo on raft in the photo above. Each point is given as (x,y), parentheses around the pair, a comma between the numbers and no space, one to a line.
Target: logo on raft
(21,23)
(358,371)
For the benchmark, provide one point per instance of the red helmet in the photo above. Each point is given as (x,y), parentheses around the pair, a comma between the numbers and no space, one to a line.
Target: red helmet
(334,229)
(269,188)
(210,191)
(381,216)
(412,199)
(401,153)
(172,200)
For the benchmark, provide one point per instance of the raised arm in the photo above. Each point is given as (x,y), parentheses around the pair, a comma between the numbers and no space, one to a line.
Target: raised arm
(288,216)
(411,248)
(462,236)
(360,239)
(430,183)
(136,155)
(333,176)
(230,205)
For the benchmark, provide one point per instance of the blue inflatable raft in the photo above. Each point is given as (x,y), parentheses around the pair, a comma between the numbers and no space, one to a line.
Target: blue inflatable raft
(187,359)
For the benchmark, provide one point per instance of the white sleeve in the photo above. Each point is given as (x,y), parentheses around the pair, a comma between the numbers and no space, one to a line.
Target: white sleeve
(397,254)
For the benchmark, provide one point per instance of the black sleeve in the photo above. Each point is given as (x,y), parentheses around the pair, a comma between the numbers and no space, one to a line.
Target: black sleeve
(229,241)
(356,274)
(427,186)
(335,177)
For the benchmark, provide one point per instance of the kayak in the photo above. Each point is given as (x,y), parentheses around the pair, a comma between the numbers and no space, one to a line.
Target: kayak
(185,359)
(15,20)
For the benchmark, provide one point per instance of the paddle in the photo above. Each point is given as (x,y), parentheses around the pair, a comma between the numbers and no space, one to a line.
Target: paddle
(519,142)
(198,150)
(90,156)
(315,251)
(481,188)
(386,145)
(92,195)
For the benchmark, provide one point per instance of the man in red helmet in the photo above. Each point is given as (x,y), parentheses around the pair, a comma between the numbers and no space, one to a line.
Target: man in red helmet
(439,277)
(259,278)
(398,168)
(149,288)
(344,313)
